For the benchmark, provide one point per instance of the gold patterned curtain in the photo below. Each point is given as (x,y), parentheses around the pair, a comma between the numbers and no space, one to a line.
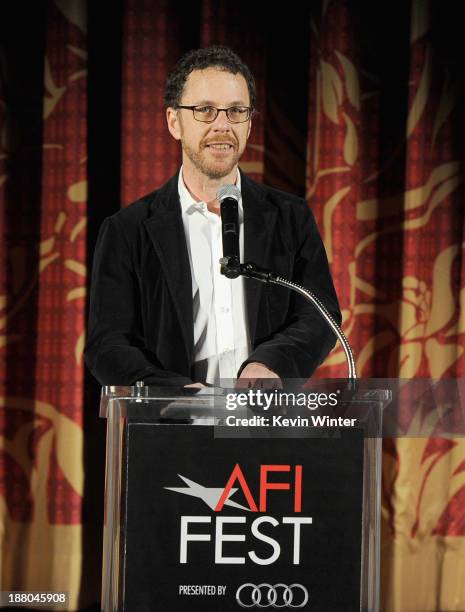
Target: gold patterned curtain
(42,318)
(385,176)
(360,111)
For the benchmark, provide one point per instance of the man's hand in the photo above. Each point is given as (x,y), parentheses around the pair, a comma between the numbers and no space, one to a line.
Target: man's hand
(258,375)
(195,386)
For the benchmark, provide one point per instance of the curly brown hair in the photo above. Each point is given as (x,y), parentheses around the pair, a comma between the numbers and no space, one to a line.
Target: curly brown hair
(217,56)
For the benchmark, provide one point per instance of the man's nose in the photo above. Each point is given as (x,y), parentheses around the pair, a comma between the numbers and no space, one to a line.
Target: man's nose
(221,122)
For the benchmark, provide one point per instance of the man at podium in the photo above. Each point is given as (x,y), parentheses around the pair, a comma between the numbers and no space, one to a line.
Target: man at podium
(160,310)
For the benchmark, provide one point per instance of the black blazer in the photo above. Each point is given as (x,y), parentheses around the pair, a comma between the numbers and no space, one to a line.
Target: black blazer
(141,321)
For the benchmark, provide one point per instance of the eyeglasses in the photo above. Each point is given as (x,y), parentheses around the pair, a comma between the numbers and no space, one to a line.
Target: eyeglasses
(208,114)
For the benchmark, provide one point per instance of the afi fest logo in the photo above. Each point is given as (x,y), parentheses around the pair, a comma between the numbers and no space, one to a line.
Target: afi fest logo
(219,498)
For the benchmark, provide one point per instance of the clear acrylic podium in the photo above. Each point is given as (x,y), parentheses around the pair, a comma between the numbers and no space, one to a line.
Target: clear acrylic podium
(216,500)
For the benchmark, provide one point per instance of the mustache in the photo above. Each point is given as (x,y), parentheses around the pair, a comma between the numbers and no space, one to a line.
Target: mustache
(219,140)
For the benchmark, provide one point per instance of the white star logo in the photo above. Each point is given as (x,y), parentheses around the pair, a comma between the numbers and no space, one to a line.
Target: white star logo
(210,495)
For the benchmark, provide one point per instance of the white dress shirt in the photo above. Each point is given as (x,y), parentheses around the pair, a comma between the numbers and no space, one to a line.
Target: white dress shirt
(221,338)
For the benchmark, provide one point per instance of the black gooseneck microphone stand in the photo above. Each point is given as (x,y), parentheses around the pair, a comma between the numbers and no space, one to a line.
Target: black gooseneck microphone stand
(232,268)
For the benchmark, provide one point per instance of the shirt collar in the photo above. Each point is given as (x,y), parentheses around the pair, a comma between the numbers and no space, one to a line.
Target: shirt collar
(189,205)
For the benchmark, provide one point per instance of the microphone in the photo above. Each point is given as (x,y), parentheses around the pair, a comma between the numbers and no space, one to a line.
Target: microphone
(228,197)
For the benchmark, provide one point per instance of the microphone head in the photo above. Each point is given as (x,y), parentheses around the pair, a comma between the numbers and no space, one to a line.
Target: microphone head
(228,191)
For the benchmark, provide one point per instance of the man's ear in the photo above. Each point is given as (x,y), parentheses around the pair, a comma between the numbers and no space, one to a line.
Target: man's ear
(172,120)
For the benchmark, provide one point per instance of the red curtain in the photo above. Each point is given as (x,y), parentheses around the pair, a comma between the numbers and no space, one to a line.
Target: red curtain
(43,267)
(359,111)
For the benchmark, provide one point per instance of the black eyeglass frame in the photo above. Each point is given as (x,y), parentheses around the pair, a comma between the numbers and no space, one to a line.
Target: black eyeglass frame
(218,110)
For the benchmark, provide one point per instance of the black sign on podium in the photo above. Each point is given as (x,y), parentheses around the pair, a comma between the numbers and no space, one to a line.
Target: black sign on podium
(216,505)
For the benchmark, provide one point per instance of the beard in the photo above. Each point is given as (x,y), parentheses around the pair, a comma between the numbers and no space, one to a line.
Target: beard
(213,168)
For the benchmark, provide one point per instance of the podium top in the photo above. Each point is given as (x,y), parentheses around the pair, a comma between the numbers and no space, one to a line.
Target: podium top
(394,407)
(319,393)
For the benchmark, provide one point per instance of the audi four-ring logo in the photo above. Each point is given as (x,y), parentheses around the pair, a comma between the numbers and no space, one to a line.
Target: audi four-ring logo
(266,595)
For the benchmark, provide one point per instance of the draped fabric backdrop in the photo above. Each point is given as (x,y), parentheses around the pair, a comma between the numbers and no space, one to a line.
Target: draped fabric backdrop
(360,111)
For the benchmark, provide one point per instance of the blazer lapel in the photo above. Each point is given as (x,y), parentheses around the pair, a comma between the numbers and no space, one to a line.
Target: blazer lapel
(166,232)
(259,223)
